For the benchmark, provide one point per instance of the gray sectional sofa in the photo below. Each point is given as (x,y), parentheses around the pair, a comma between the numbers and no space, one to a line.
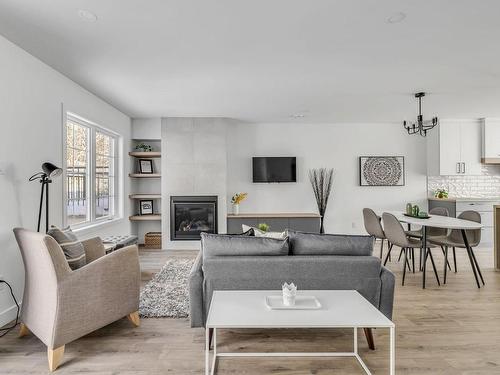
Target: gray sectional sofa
(311,261)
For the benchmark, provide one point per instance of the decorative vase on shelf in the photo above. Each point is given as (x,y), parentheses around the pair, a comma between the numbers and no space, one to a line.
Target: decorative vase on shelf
(236,209)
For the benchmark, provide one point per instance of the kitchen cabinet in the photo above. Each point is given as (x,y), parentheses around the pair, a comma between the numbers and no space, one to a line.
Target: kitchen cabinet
(490,135)
(454,148)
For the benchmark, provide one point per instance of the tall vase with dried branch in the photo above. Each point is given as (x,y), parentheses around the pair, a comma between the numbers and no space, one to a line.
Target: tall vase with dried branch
(321,181)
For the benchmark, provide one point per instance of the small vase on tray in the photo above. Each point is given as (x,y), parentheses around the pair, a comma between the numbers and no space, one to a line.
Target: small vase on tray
(289,294)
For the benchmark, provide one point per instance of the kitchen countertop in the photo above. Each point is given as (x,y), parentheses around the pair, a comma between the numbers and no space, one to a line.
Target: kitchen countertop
(465,199)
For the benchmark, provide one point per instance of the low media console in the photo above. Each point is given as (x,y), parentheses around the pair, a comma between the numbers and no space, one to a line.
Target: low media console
(278,222)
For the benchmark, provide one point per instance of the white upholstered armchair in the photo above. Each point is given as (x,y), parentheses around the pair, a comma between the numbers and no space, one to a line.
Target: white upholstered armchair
(61,305)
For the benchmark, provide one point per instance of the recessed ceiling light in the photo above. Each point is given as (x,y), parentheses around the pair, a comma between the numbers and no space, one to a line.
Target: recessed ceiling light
(396,17)
(87,15)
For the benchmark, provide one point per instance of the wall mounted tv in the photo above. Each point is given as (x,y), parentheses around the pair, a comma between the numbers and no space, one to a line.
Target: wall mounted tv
(274,169)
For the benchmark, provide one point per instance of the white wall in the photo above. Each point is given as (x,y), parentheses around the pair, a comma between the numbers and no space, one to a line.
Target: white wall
(31,97)
(336,146)
(193,163)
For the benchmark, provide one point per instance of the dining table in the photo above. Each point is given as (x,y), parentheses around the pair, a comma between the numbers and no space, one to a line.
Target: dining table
(437,221)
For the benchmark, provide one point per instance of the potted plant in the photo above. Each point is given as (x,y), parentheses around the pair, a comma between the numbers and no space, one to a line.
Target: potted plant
(263,227)
(441,194)
(321,181)
(144,147)
(236,200)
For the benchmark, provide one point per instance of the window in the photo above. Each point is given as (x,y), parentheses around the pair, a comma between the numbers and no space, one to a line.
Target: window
(91,192)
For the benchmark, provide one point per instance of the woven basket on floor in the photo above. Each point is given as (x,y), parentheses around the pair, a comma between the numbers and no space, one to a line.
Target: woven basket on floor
(152,240)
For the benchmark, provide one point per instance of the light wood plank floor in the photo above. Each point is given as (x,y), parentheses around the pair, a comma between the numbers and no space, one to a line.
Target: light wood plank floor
(449,330)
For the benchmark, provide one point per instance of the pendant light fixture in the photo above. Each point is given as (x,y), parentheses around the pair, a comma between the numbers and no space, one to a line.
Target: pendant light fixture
(420,127)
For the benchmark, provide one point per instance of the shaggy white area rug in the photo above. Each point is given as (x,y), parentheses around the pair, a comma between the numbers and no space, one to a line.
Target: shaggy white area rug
(167,294)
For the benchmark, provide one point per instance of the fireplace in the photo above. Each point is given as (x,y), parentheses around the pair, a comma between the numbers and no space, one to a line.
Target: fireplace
(191,215)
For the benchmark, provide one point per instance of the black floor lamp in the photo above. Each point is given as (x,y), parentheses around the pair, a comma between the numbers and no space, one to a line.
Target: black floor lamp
(49,171)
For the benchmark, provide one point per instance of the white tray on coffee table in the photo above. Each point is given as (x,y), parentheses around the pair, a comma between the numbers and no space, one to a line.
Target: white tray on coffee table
(301,303)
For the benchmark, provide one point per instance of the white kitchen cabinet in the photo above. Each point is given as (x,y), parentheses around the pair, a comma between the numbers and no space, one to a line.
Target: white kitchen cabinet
(490,134)
(454,148)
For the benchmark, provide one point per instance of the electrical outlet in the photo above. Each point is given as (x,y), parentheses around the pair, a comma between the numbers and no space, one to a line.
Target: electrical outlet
(353,225)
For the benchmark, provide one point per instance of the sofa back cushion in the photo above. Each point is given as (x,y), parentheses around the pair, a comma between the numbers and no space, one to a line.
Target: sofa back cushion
(219,245)
(302,243)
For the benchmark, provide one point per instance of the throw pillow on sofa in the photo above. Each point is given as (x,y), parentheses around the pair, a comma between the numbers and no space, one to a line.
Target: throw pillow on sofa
(260,233)
(72,248)
(302,243)
(215,245)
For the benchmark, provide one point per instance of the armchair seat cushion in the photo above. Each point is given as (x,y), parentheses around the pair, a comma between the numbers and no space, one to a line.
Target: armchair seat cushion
(72,248)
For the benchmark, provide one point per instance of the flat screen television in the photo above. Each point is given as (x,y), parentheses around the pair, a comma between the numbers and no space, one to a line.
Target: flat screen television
(274,169)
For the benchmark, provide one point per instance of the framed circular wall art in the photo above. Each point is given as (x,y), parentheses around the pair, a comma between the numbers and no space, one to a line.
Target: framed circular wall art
(381,171)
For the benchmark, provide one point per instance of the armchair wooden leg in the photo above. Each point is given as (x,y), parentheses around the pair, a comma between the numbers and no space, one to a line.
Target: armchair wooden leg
(23,330)
(134,318)
(55,357)
(369,338)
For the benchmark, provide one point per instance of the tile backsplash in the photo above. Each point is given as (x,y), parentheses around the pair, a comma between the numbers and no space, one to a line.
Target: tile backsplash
(487,185)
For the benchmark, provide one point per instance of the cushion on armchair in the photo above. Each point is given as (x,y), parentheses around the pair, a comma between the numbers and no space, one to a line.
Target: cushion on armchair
(72,248)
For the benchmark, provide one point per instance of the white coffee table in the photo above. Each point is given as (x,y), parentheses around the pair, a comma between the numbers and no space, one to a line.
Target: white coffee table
(247,309)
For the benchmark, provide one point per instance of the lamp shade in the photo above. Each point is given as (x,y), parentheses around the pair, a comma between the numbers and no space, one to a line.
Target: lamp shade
(51,170)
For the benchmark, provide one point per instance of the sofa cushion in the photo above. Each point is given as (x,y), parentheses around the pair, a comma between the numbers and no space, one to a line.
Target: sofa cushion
(216,245)
(72,248)
(302,243)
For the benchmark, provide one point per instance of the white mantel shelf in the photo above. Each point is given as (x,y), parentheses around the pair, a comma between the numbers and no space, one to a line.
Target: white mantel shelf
(273,215)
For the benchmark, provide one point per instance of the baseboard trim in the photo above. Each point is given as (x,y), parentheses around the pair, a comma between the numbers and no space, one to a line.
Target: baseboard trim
(8,315)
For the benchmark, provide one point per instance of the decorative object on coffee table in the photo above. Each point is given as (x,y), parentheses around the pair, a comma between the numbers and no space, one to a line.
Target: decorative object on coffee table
(321,181)
(146,207)
(236,200)
(289,294)
(146,166)
(381,171)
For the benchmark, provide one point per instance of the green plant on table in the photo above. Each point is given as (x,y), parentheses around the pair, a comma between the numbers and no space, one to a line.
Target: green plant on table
(263,227)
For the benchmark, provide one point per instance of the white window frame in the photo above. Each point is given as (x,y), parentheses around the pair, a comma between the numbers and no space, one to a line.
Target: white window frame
(117,192)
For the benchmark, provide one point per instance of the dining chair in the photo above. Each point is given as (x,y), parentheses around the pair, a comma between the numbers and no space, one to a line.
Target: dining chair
(431,231)
(373,226)
(396,235)
(455,239)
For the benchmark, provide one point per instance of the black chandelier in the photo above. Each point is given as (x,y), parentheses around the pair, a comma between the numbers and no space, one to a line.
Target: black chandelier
(420,127)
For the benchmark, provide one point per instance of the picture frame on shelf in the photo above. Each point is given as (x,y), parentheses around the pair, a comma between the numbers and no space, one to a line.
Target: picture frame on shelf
(146,207)
(146,166)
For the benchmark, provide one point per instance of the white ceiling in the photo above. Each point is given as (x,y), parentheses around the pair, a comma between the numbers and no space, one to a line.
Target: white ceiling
(263,60)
